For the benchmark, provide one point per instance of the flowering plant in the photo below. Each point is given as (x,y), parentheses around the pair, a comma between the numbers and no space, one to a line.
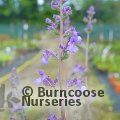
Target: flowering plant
(13,98)
(68,43)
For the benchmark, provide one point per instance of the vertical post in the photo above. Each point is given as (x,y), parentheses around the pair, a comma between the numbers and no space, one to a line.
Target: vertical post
(2,96)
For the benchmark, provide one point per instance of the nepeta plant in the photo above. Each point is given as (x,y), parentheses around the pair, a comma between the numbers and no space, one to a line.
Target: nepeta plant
(13,98)
(90,21)
(68,43)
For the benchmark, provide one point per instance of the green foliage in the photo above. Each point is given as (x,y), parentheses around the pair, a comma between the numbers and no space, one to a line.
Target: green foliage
(115,47)
(5,58)
(20,44)
(11,48)
(111,62)
(65,56)
(11,11)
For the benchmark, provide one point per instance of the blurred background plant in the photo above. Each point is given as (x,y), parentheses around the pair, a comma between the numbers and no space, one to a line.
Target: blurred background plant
(23,34)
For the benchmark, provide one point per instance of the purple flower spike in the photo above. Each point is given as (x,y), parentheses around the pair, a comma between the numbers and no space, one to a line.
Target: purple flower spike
(67,10)
(52,117)
(91,11)
(55,4)
(89,19)
(79,69)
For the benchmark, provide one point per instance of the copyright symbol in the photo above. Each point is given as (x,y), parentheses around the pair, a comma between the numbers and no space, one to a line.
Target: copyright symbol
(27,91)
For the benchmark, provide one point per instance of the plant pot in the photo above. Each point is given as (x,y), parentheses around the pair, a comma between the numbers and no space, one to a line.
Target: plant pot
(115,83)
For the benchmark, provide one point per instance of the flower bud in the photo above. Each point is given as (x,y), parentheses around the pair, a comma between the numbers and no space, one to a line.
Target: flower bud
(91,11)
(67,10)
(55,4)
(56,17)
(49,21)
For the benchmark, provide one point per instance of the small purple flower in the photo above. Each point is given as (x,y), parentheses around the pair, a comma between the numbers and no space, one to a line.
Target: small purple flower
(79,83)
(79,40)
(46,80)
(91,11)
(72,48)
(74,40)
(67,10)
(55,4)
(49,21)
(46,55)
(52,117)
(38,81)
(75,82)
(71,82)
(49,82)
(42,73)
(56,17)
(44,61)
(54,26)
(49,28)
(71,31)
(79,69)
(62,47)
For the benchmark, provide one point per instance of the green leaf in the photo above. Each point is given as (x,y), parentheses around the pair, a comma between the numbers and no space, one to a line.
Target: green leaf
(55,32)
(65,56)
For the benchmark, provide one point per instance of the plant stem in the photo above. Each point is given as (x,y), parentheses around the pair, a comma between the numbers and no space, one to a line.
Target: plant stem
(60,61)
(87,66)
(87,50)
